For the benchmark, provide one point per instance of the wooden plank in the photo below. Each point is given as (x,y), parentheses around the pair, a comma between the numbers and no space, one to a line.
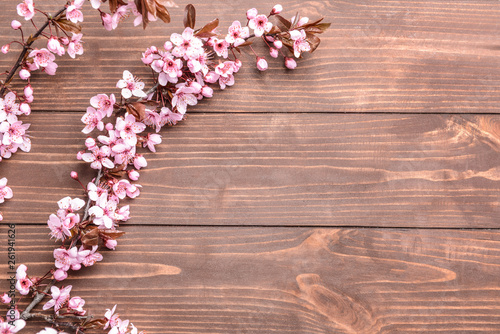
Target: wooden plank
(435,56)
(285,169)
(288,280)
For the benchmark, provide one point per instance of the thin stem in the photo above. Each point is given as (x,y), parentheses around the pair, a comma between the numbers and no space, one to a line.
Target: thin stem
(51,320)
(26,47)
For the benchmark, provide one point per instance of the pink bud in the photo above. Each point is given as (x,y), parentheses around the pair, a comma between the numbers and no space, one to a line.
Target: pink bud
(261,63)
(5,48)
(25,108)
(74,175)
(237,65)
(207,91)
(60,275)
(278,44)
(273,52)
(251,13)
(53,44)
(302,21)
(276,9)
(133,175)
(109,126)
(111,244)
(290,63)
(28,91)
(90,142)
(168,45)
(5,298)
(24,74)
(28,99)
(15,24)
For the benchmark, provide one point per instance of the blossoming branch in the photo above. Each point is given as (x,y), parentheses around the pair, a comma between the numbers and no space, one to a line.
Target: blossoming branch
(185,71)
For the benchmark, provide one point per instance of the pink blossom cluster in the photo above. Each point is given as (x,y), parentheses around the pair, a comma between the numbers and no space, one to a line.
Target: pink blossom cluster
(117,325)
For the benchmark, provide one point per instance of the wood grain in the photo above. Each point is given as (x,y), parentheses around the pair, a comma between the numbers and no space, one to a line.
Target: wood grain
(379,56)
(289,280)
(294,170)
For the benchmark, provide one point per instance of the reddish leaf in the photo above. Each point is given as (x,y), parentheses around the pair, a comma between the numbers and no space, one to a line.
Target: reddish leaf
(113,234)
(284,21)
(313,41)
(91,238)
(189,16)
(162,12)
(68,26)
(137,109)
(206,30)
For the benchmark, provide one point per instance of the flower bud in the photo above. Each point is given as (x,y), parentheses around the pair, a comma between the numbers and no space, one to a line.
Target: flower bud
(251,13)
(133,175)
(261,63)
(168,45)
(24,74)
(53,44)
(290,63)
(5,298)
(90,142)
(25,108)
(74,175)
(28,91)
(207,91)
(5,48)
(273,52)
(278,44)
(109,126)
(111,244)
(60,275)
(15,24)
(28,99)
(276,9)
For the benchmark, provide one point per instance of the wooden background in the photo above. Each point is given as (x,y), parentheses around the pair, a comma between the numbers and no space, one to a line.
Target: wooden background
(358,193)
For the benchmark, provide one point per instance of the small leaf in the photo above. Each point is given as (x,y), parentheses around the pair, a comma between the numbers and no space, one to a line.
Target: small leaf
(68,26)
(91,238)
(94,324)
(313,40)
(206,30)
(113,234)
(189,16)
(137,109)
(285,22)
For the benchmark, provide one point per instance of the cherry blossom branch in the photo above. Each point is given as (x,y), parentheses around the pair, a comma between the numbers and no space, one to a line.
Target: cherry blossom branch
(54,321)
(25,315)
(26,47)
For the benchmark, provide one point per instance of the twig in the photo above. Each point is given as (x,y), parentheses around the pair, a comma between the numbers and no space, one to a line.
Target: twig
(38,298)
(26,47)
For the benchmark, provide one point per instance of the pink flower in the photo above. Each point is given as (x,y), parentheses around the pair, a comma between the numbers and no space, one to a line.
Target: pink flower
(124,188)
(13,133)
(50,330)
(130,86)
(42,57)
(92,119)
(9,109)
(5,192)
(182,98)
(220,47)
(186,44)
(76,304)
(58,229)
(103,104)
(120,328)
(73,12)
(7,328)
(261,64)
(95,3)
(89,257)
(26,9)
(278,44)
(139,161)
(128,127)
(15,24)
(69,205)
(111,244)
(54,45)
(5,298)
(23,283)
(236,34)
(111,317)
(300,44)
(260,24)
(59,298)
(251,13)
(152,140)
(75,47)
(66,259)
(133,174)
(108,22)
(290,63)
(99,158)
